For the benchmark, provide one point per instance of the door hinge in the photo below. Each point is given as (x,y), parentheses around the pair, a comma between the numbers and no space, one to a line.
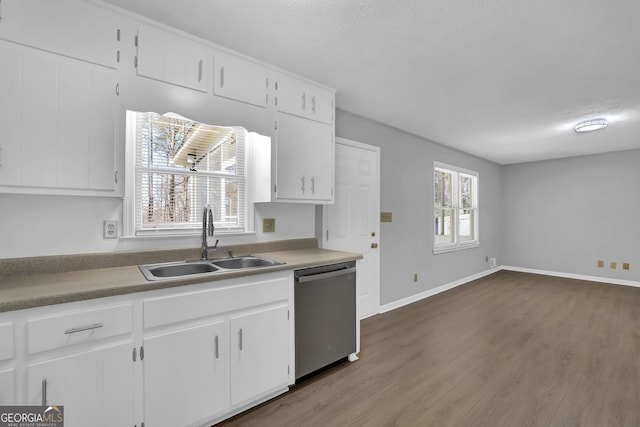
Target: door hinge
(288,315)
(135,61)
(275,125)
(118,34)
(275,191)
(116,178)
(288,369)
(135,353)
(141,353)
(327,235)
(135,40)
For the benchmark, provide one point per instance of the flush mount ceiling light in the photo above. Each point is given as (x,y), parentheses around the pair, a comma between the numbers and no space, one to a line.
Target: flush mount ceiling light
(589,125)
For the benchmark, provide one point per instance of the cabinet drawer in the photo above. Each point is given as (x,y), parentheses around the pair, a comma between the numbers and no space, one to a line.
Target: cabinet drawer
(187,306)
(51,332)
(6,338)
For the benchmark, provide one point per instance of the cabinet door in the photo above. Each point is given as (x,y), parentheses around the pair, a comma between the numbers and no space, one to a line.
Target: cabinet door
(239,79)
(87,32)
(184,375)
(197,67)
(304,99)
(304,160)
(321,154)
(10,24)
(161,56)
(102,107)
(7,390)
(10,113)
(259,352)
(172,59)
(39,119)
(291,159)
(95,387)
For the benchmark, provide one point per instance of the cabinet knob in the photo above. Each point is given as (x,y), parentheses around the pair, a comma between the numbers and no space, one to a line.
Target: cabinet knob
(374,245)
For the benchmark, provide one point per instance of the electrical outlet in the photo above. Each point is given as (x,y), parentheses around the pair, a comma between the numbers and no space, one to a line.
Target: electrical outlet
(625,265)
(110,229)
(492,263)
(613,265)
(600,263)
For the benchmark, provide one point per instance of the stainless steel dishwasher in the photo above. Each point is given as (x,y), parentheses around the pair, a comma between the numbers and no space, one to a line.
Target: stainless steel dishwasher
(325,315)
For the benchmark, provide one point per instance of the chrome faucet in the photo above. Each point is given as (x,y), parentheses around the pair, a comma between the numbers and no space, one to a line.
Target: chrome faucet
(207,230)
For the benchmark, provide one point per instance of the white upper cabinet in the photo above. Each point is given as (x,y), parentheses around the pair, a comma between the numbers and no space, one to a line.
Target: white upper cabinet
(172,59)
(297,97)
(73,28)
(61,115)
(239,79)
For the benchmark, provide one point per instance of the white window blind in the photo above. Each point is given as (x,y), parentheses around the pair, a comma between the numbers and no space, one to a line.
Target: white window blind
(182,165)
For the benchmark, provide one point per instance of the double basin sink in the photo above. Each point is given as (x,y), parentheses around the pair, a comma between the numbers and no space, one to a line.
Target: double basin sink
(203,267)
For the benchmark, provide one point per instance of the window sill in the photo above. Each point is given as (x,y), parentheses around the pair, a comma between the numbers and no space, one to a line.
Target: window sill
(165,235)
(454,248)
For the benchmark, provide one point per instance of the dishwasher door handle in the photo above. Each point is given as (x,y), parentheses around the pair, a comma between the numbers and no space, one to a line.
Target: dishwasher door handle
(327,275)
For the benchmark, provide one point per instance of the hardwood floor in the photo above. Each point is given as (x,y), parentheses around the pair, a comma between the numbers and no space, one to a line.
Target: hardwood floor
(511,349)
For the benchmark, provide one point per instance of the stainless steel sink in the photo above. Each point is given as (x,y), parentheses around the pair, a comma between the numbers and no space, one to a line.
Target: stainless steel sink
(244,262)
(203,267)
(162,271)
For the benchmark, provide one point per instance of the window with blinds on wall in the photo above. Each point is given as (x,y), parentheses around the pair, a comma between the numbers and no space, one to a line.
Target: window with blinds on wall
(181,166)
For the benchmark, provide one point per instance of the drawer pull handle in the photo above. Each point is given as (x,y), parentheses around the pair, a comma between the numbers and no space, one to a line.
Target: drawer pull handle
(83,328)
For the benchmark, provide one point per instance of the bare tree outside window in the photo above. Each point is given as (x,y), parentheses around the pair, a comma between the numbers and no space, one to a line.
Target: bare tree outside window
(181,165)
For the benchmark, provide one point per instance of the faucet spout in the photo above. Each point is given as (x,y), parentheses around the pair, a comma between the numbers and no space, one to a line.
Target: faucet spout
(208,229)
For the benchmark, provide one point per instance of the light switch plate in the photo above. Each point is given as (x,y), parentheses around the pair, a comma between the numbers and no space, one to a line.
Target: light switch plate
(268,225)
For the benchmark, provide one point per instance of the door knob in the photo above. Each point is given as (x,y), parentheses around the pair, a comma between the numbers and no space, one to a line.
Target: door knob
(374,245)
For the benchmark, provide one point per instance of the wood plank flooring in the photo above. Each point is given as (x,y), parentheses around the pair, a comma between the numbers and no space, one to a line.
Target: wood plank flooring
(510,349)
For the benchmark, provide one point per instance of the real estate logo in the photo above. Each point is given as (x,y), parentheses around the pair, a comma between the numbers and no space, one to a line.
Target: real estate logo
(32,416)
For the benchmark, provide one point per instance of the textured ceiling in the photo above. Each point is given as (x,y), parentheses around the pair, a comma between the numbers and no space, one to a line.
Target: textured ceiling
(505,80)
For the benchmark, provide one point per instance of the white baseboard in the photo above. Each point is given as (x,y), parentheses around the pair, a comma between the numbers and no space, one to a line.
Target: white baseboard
(426,294)
(573,276)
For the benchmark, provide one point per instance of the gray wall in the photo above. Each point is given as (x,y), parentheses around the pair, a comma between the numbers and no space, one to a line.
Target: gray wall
(406,187)
(564,215)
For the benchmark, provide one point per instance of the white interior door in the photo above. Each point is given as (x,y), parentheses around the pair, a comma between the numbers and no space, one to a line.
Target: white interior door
(353,223)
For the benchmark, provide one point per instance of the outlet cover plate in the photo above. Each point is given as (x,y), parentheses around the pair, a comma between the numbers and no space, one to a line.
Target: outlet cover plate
(110,229)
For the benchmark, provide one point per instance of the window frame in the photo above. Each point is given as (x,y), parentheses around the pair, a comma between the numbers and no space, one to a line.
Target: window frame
(130,229)
(456,245)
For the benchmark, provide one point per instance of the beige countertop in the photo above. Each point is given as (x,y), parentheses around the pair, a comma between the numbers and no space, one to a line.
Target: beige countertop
(47,288)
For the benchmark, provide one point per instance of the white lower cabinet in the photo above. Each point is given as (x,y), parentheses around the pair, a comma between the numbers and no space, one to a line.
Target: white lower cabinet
(95,387)
(186,356)
(185,377)
(216,350)
(7,387)
(259,354)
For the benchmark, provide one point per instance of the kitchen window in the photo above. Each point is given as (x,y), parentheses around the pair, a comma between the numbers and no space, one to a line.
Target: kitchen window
(455,208)
(177,167)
